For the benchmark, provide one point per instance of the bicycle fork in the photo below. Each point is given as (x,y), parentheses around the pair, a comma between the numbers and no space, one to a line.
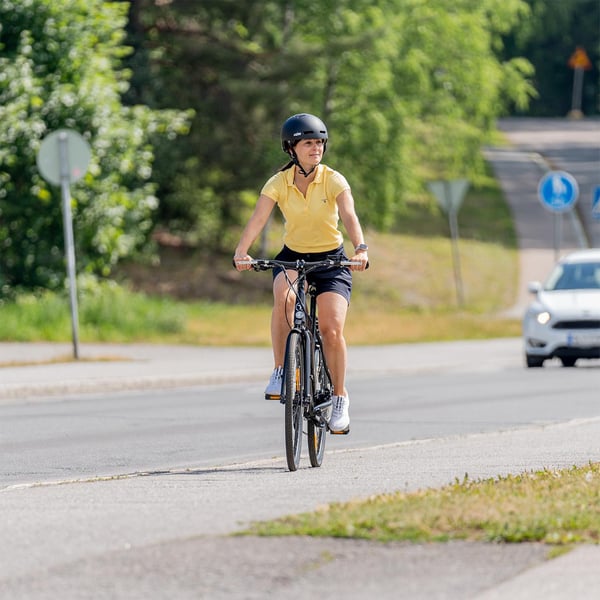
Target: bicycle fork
(310,377)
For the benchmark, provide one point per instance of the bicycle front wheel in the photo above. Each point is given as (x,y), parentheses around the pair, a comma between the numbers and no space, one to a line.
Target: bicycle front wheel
(321,392)
(293,393)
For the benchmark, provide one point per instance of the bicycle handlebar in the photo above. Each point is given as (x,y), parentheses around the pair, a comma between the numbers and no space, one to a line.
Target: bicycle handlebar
(262,264)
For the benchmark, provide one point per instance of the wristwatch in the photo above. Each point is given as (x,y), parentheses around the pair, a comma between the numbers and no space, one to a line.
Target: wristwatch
(361,248)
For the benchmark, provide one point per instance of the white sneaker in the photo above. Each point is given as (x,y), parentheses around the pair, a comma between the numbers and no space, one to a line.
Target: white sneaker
(340,419)
(273,391)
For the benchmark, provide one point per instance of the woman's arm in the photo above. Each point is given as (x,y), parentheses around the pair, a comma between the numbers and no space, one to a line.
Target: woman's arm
(260,216)
(345,203)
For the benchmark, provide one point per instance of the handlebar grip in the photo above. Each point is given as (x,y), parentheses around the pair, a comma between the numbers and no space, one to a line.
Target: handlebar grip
(349,263)
(256,264)
(245,262)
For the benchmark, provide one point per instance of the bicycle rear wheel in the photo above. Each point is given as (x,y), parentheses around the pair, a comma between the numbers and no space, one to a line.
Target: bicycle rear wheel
(293,391)
(321,393)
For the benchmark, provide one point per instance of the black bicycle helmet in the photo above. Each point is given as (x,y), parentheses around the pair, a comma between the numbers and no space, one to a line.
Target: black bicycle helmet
(302,127)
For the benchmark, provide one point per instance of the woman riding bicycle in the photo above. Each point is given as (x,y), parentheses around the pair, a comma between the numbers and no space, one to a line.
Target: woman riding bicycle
(312,198)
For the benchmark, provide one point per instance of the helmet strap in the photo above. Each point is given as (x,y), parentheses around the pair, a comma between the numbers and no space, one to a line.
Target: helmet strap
(295,160)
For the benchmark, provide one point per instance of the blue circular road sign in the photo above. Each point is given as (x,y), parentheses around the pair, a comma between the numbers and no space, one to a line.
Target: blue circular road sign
(558,191)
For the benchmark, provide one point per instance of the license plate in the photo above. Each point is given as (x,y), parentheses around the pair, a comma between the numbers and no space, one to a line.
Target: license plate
(585,341)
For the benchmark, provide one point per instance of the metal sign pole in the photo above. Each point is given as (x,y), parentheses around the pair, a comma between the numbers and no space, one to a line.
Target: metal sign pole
(62,168)
(557,235)
(580,62)
(450,195)
(453,222)
(576,97)
(69,243)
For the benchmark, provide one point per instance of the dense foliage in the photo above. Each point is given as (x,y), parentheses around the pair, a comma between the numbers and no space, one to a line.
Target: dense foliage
(408,88)
(60,68)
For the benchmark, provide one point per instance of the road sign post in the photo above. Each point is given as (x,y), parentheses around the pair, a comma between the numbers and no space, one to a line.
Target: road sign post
(450,195)
(596,203)
(558,191)
(63,158)
(579,62)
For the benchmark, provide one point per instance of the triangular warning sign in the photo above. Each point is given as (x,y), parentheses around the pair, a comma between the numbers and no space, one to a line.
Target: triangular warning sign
(580,60)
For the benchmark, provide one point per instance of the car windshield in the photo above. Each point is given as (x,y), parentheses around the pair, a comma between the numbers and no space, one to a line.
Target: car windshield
(575,276)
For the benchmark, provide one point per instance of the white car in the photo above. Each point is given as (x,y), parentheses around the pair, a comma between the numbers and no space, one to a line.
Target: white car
(564,319)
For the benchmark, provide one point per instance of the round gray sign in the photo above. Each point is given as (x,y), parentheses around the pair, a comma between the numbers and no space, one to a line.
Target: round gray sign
(63,152)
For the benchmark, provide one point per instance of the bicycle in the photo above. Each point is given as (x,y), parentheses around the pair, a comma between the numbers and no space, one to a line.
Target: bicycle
(306,386)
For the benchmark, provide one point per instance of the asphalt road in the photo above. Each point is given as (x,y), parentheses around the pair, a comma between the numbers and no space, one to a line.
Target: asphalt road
(133,495)
(83,436)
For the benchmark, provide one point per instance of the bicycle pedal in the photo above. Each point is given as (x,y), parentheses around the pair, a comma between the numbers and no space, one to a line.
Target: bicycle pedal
(272,396)
(343,432)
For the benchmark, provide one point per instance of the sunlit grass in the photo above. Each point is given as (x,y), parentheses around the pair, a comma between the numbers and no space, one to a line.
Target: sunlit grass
(549,506)
(409,294)
(136,318)
(107,313)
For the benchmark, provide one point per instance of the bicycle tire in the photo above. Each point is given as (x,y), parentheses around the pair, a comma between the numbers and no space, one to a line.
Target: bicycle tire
(293,392)
(317,434)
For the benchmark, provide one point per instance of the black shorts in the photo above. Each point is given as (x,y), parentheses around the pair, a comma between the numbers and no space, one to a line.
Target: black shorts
(325,279)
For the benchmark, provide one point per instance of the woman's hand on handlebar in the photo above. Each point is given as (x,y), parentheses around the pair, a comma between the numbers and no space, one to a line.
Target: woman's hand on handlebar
(242,262)
(362,259)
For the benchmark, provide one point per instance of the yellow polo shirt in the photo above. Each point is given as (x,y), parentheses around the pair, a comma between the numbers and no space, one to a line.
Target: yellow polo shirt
(311,223)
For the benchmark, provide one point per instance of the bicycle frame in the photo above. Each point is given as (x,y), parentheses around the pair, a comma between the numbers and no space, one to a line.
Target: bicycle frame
(305,322)
(306,325)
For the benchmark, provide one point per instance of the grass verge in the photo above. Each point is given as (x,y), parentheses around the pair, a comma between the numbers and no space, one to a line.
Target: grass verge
(408,295)
(558,507)
(127,317)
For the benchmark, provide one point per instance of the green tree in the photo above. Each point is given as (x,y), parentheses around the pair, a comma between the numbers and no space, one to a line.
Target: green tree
(60,66)
(418,98)
(409,89)
(449,74)
(231,62)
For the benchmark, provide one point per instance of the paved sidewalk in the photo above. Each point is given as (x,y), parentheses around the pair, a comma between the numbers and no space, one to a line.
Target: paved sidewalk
(49,369)
(28,370)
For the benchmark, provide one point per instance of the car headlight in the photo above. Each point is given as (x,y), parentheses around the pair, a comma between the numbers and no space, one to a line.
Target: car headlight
(543,317)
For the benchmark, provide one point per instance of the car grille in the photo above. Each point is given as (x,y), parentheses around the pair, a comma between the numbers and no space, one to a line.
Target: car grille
(580,324)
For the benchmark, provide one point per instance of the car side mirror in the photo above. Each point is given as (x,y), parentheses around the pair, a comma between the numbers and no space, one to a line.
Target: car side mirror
(534,287)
